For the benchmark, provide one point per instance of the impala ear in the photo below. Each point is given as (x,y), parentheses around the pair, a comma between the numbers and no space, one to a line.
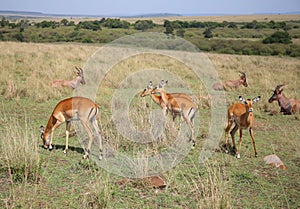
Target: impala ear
(242,99)
(150,85)
(256,99)
(42,129)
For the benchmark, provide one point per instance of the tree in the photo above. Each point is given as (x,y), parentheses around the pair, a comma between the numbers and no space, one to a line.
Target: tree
(64,22)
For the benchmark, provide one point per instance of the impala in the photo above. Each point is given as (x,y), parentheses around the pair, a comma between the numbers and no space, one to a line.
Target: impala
(287,106)
(182,106)
(79,79)
(231,84)
(68,110)
(242,116)
(158,99)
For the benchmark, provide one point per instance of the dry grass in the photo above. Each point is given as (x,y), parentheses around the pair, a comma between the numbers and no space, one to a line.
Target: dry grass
(19,151)
(27,70)
(228,18)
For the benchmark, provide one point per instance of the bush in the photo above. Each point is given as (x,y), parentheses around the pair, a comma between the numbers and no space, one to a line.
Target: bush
(278,37)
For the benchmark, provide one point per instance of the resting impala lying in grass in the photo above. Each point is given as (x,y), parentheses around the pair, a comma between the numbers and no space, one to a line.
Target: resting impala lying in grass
(79,79)
(182,106)
(68,110)
(231,84)
(287,106)
(242,116)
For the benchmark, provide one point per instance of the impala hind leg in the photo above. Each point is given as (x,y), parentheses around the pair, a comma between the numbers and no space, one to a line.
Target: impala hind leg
(88,130)
(232,133)
(226,134)
(98,134)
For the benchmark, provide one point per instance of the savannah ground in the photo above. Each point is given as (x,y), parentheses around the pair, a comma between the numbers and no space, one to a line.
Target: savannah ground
(32,177)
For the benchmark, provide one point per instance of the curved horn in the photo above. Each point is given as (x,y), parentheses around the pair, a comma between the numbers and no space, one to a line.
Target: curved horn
(278,87)
(243,74)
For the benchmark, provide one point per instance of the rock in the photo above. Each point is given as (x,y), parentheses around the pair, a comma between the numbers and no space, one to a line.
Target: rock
(275,161)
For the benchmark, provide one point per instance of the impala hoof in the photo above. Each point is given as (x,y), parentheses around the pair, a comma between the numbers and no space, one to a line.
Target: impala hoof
(226,151)
(50,147)
(65,151)
(85,156)
(238,156)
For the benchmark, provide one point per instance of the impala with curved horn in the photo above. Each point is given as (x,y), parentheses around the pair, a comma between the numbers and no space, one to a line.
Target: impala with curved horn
(182,106)
(68,110)
(231,84)
(242,116)
(79,79)
(287,106)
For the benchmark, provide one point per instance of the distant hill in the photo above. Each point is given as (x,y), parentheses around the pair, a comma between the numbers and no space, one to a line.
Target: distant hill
(26,14)
(40,14)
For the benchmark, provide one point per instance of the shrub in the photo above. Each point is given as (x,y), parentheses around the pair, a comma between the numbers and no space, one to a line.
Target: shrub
(278,37)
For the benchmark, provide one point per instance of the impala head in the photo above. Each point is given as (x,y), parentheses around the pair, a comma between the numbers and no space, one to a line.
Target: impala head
(79,73)
(45,137)
(148,90)
(243,79)
(277,91)
(249,102)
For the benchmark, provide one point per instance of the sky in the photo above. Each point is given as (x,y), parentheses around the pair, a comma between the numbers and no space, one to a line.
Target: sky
(137,7)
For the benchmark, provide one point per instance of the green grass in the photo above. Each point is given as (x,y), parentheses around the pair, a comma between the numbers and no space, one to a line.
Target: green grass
(52,179)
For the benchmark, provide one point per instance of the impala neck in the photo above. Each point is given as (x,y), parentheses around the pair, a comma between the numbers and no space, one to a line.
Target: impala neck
(157,99)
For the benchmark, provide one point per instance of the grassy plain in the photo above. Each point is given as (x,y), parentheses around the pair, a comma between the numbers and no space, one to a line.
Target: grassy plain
(32,177)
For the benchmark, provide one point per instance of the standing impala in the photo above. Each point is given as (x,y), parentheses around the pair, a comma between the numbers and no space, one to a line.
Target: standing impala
(182,106)
(287,106)
(242,116)
(158,99)
(79,79)
(231,84)
(67,110)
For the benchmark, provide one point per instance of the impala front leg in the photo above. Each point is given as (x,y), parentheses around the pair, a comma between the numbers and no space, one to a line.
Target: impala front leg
(68,126)
(252,137)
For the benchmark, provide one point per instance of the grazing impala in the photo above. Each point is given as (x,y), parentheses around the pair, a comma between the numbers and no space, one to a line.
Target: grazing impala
(242,116)
(231,84)
(67,110)
(182,106)
(158,100)
(287,106)
(79,79)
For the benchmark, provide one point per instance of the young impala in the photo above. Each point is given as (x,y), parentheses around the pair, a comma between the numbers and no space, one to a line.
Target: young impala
(242,116)
(68,110)
(79,79)
(287,106)
(231,84)
(182,106)
(158,99)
